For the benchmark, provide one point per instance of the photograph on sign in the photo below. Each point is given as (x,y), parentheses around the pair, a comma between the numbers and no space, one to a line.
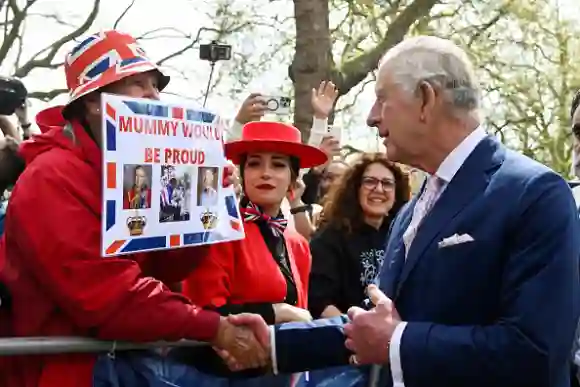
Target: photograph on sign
(163,166)
(207,187)
(175,193)
(136,186)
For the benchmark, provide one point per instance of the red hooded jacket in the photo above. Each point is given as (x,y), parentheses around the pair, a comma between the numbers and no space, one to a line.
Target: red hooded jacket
(61,286)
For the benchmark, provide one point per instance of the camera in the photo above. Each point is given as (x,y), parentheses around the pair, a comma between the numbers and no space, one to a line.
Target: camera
(12,95)
(277,105)
(215,52)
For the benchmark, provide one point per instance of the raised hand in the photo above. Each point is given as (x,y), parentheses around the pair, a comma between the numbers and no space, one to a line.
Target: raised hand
(295,193)
(252,109)
(323,99)
(239,346)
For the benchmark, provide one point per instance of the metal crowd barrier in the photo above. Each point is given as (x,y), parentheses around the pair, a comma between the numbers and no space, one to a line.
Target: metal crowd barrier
(56,345)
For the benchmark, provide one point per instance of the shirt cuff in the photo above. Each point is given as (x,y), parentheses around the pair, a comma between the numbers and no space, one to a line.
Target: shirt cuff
(318,131)
(235,131)
(395,355)
(273,350)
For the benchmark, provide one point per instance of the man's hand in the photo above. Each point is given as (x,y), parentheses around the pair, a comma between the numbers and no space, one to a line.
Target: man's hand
(369,332)
(252,109)
(323,99)
(239,346)
(255,323)
(379,298)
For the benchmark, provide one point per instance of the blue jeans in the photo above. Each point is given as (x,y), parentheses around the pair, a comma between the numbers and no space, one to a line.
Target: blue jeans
(147,369)
(345,376)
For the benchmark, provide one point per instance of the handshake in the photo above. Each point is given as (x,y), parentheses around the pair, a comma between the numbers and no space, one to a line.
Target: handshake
(243,342)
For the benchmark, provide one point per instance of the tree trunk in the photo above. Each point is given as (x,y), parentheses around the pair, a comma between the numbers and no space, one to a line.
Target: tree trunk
(312,61)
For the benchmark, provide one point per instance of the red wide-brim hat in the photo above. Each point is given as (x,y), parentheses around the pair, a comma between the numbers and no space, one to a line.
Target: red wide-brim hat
(274,137)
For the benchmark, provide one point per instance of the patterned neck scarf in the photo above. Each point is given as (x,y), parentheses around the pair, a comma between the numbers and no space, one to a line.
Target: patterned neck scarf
(253,213)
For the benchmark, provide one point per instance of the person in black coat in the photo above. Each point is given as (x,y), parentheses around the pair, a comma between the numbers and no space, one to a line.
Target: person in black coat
(348,249)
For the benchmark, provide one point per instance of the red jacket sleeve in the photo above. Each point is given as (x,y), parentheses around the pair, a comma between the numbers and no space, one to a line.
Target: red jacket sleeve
(303,263)
(109,295)
(211,281)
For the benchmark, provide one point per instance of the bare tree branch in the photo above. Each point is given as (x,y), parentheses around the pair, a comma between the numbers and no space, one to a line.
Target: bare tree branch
(52,17)
(147,35)
(46,95)
(190,45)
(123,14)
(12,32)
(52,49)
(355,71)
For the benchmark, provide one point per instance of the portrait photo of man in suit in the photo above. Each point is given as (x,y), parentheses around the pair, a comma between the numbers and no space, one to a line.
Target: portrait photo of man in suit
(480,283)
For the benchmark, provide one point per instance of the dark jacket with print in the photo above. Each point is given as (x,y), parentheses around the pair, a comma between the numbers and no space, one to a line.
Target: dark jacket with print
(343,265)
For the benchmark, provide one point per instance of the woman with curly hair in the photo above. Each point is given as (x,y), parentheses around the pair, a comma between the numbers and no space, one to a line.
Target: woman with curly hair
(348,249)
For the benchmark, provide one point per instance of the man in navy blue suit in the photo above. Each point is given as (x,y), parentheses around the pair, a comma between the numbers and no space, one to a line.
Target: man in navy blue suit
(481,268)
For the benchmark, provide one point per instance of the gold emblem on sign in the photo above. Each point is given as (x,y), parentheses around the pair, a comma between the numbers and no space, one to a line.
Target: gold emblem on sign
(136,225)
(208,219)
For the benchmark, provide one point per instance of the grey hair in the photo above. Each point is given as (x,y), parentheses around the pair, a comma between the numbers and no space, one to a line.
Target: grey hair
(439,62)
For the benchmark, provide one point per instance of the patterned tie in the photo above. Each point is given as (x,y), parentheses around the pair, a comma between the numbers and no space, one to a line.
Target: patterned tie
(253,213)
(422,208)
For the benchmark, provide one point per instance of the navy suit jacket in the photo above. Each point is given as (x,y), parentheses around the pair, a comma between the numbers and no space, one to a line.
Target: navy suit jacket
(498,311)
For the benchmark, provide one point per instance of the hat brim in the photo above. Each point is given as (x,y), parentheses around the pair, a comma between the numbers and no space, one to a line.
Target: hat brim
(309,156)
(101,82)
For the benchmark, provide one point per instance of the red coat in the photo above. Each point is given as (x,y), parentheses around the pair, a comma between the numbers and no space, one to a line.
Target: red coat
(50,260)
(245,271)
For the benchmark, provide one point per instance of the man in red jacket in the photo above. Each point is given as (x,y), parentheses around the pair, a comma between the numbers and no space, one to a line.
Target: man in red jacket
(59,283)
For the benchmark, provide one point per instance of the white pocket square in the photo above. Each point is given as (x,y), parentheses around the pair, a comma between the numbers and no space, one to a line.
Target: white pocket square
(455,240)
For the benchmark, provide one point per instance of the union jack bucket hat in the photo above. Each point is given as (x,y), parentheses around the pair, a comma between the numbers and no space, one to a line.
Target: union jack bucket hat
(104,58)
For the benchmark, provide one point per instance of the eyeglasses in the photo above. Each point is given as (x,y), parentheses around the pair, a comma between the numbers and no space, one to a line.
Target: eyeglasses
(371,183)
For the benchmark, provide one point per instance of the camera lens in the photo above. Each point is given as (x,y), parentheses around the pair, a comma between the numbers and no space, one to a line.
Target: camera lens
(272,104)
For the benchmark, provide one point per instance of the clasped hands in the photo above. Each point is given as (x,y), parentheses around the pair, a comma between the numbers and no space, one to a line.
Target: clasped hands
(243,341)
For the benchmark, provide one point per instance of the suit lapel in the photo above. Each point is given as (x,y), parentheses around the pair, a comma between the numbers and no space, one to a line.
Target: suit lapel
(469,182)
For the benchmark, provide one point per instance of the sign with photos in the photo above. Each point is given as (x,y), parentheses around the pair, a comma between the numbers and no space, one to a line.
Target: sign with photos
(162,173)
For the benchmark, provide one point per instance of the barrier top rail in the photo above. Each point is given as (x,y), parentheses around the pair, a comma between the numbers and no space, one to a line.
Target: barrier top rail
(56,345)
(59,345)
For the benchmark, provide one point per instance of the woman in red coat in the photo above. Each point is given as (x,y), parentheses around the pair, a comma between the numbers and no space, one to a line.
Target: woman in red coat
(267,272)
(50,260)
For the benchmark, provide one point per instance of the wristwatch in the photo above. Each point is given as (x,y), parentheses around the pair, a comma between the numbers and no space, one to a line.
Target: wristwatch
(300,209)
